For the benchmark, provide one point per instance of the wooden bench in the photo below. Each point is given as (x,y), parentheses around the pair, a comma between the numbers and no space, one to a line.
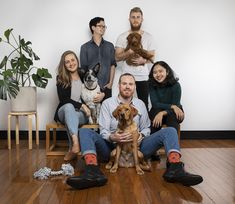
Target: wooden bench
(55,126)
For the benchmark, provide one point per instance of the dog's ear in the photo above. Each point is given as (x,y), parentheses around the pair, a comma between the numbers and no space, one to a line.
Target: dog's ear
(115,113)
(96,68)
(81,73)
(129,37)
(134,111)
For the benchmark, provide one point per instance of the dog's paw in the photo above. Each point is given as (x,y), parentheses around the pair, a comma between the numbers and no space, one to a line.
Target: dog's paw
(113,170)
(109,165)
(90,120)
(139,171)
(146,166)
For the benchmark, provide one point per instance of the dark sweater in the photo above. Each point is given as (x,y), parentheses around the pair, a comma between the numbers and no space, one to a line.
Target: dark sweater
(64,95)
(163,97)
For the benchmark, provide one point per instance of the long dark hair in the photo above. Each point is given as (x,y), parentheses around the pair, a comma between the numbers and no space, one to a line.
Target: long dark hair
(170,78)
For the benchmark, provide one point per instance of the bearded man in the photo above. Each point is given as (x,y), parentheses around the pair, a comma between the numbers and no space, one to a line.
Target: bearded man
(140,71)
(94,145)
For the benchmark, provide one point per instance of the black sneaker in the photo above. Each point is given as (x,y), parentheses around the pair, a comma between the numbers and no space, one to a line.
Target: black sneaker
(175,173)
(91,177)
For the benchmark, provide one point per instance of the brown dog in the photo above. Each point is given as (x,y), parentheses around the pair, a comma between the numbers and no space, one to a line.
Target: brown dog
(134,43)
(125,113)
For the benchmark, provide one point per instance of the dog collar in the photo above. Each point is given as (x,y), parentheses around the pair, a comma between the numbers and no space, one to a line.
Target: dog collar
(90,88)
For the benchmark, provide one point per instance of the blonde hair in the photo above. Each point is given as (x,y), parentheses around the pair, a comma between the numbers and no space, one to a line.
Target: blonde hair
(136,10)
(63,76)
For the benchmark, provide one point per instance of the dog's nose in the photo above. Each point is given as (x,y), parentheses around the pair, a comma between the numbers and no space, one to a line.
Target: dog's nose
(122,115)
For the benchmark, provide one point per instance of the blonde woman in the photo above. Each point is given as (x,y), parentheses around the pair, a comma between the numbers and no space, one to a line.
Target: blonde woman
(71,111)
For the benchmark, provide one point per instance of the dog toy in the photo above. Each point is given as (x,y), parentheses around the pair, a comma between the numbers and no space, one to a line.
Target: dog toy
(45,172)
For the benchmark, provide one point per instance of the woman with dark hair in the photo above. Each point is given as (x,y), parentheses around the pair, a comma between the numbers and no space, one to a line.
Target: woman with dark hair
(71,111)
(165,96)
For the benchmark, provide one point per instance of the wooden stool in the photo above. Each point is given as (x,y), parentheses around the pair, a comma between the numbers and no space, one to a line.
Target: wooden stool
(17,114)
(55,126)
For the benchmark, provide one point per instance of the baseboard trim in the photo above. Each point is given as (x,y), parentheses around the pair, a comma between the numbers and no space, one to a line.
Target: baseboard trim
(61,135)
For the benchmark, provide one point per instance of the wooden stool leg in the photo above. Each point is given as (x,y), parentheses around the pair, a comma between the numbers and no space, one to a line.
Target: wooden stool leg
(9,131)
(54,136)
(37,133)
(17,129)
(47,138)
(30,130)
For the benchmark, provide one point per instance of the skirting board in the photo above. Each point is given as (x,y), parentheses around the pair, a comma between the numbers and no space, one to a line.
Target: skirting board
(184,134)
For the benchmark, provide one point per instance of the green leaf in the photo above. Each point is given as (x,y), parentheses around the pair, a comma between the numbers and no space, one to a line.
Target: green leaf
(35,56)
(3,63)
(21,64)
(0,39)
(42,72)
(7,33)
(8,89)
(7,74)
(39,81)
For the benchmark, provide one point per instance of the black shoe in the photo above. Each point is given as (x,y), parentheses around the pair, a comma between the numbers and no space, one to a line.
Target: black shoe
(91,177)
(155,157)
(175,173)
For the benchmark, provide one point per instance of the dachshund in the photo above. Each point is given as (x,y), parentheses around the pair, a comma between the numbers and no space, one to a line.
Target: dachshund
(125,113)
(134,43)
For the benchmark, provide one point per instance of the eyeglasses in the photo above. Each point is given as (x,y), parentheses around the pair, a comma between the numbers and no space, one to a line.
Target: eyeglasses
(102,26)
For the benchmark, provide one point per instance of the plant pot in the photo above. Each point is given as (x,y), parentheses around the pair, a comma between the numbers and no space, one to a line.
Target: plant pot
(25,101)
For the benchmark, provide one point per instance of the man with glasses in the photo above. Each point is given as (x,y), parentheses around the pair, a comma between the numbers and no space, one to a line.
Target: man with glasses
(140,70)
(98,50)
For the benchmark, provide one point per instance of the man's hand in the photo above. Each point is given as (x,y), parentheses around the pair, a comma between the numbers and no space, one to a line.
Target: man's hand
(99,97)
(109,85)
(121,137)
(139,60)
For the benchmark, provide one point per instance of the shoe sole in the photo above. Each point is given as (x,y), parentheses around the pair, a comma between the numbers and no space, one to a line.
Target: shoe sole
(86,183)
(192,182)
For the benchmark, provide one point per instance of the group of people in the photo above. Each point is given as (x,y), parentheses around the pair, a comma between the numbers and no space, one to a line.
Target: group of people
(160,84)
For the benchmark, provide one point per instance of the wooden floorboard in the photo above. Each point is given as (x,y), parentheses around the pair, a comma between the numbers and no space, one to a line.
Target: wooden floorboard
(213,159)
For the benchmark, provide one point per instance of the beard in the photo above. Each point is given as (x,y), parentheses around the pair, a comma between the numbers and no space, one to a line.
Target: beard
(125,95)
(135,28)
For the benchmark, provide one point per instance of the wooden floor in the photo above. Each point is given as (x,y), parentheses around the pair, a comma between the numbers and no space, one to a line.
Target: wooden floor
(213,159)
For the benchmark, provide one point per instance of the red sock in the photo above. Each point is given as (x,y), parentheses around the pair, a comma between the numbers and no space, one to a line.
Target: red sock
(90,159)
(174,157)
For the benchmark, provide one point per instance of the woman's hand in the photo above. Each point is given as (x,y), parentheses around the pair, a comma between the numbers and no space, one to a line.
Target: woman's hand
(178,112)
(121,137)
(109,85)
(86,110)
(99,97)
(157,121)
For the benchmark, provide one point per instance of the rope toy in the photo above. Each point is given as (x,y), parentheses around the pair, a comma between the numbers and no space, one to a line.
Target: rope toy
(45,172)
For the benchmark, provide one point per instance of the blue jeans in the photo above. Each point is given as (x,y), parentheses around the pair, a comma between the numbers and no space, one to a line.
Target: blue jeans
(92,142)
(72,119)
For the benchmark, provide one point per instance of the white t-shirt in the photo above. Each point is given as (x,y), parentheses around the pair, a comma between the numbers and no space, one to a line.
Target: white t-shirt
(76,90)
(140,72)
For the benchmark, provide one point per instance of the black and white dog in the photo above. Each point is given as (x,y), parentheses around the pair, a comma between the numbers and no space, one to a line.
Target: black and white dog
(90,89)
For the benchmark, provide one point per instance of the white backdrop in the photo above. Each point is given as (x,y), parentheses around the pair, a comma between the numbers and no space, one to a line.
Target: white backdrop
(196,38)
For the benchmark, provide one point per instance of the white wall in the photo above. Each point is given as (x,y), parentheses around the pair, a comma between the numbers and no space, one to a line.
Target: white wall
(196,37)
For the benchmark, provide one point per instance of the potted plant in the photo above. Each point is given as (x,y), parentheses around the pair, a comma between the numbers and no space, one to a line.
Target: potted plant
(17,70)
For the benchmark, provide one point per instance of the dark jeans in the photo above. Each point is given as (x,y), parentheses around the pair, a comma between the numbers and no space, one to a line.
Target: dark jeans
(142,89)
(169,120)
